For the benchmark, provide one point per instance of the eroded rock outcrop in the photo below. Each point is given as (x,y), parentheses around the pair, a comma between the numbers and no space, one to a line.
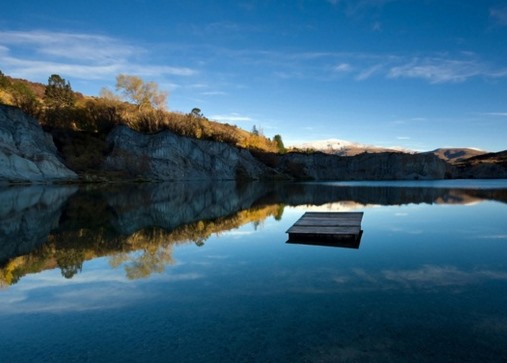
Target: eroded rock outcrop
(167,156)
(27,154)
(367,166)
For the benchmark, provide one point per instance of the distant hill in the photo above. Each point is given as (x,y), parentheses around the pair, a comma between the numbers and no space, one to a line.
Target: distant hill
(456,155)
(348,148)
(484,166)
(344,148)
(488,158)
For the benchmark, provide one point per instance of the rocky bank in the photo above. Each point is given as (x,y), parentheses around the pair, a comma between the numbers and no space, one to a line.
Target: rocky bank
(366,166)
(27,153)
(167,156)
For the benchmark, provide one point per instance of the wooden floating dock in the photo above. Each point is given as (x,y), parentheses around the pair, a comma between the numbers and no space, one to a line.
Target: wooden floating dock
(338,229)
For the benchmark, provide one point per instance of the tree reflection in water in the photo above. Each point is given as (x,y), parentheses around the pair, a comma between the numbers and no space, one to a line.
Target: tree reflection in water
(137,226)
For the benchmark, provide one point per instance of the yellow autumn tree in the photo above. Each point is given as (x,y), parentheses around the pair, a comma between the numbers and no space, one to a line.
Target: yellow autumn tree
(143,94)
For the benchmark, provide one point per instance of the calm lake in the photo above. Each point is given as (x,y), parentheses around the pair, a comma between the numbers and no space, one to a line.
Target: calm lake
(202,272)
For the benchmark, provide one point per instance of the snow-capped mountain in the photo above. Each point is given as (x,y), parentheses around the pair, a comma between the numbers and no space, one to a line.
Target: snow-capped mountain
(344,147)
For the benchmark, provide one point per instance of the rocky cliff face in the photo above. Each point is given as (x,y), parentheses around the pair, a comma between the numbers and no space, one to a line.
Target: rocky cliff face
(166,156)
(27,154)
(379,166)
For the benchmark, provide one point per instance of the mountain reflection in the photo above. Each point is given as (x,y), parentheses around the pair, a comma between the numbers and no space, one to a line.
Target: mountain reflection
(44,227)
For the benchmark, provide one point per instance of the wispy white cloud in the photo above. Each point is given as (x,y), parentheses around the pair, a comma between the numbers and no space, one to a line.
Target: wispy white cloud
(232,117)
(443,70)
(343,67)
(433,68)
(37,54)
(76,46)
(87,56)
(31,68)
(214,93)
(369,72)
(154,70)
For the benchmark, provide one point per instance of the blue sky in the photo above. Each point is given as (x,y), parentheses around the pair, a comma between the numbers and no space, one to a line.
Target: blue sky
(419,74)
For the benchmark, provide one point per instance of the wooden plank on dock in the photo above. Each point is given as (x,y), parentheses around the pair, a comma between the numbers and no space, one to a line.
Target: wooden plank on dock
(325,229)
(341,229)
(327,222)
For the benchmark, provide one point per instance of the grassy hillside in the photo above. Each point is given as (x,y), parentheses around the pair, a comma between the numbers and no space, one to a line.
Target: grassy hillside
(80,124)
(456,155)
(98,115)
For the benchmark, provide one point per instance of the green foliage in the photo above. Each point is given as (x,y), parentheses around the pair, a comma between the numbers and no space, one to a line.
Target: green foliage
(58,93)
(59,100)
(70,261)
(196,112)
(4,81)
(279,144)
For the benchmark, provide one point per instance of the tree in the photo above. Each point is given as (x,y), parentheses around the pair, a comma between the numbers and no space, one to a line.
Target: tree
(58,93)
(59,100)
(135,90)
(279,144)
(4,82)
(70,261)
(196,112)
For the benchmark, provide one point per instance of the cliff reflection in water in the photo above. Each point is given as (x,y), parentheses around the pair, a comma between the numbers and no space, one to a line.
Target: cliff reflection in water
(44,227)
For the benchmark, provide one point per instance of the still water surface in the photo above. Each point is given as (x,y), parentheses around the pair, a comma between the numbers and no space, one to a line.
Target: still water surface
(202,273)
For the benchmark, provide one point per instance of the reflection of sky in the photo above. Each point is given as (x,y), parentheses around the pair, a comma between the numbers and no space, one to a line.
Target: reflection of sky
(434,267)
(404,246)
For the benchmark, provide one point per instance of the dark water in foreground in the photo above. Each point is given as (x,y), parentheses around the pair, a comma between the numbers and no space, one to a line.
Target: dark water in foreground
(202,273)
